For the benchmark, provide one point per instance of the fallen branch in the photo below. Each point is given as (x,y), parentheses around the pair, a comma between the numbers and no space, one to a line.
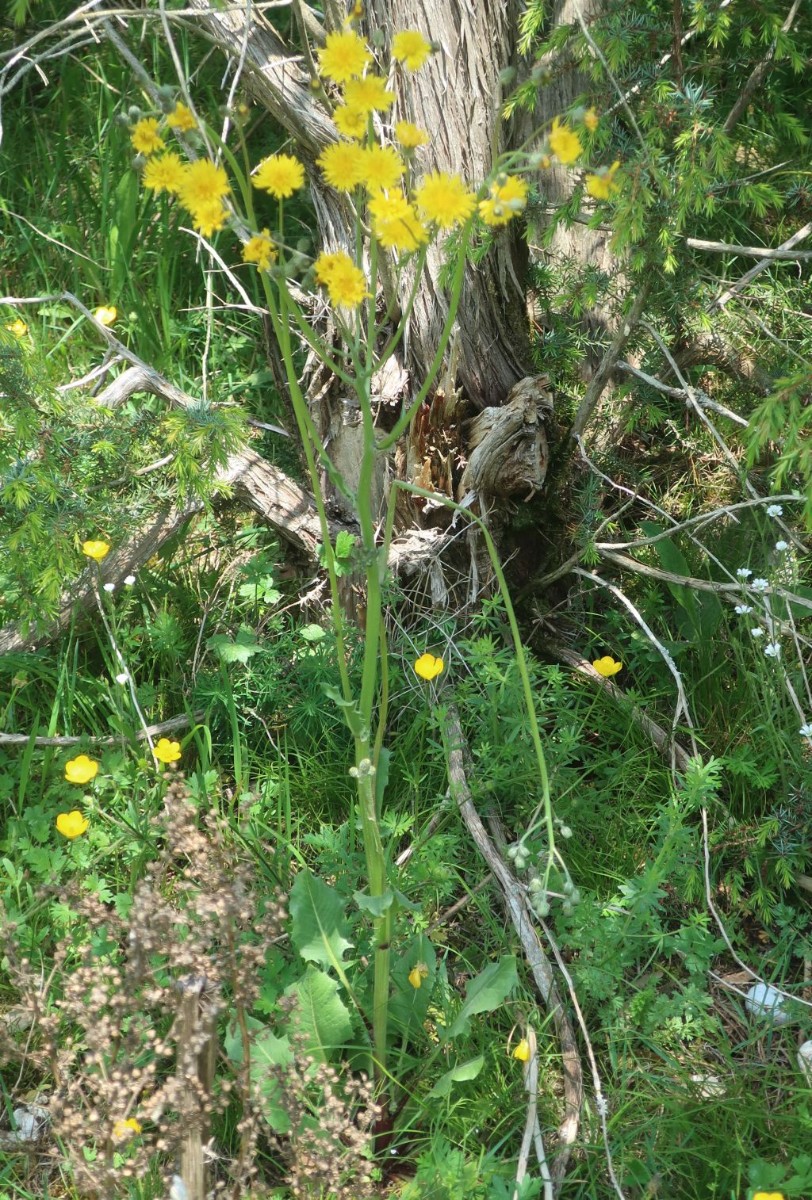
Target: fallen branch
(525,925)
(168,726)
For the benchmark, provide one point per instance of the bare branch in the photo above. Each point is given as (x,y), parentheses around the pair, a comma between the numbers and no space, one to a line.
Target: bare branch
(758,75)
(749,251)
(750,275)
(169,726)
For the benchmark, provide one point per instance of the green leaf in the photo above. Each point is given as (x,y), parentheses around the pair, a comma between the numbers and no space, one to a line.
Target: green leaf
(312,633)
(318,924)
(267,1052)
(458,1074)
(485,993)
(320,1015)
(376,906)
(345,543)
(240,649)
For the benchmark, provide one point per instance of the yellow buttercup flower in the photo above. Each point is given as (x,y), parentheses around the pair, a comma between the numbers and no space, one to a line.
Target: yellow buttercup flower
(368,94)
(145,136)
(81,769)
(522,1050)
(418,973)
(383,168)
(411,48)
(607,666)
(343,165)
(603,186)
(280,174)
(564,142)
(96,550)
(410,136)
(345,56)
(181,118)
(122,1130)
(346,284)
(444,199)
(396,224)
(260,250)
(351,122)
(106,315)
(18,328)
(506,200)
(164,173)
(72,825)
(429,667)
(202,184)
(591,119)
(166,751)
(768,1196)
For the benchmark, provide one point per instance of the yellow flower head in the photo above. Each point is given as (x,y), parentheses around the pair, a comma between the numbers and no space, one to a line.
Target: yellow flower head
(368,94)
(145,136)
(564,142)
(506,200)
(280,175)
(444,199)
(164,173)
(607,666)
(603,185)
(96,550)
(18,328)
(166,751)
(351,122)
(203,183)
(81,770)
(181,118)
(410,136)
(123,1130)
(429,667)
(591,119)
(418,973)
(343,165)
(260,250)
(383,168)
(768,1196)
(345,283)
(410,48)
(72,825)
(209,216)
(396,224)
(345,56)
(522,1051)
(106,314)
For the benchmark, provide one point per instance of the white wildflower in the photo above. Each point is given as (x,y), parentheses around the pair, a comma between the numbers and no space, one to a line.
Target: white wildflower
(129,580)
(806,730)
(759,585)
(775,510)
(772,650)
(122,677)
(782,546)
(744,572)
(109,587)
(743,609)
(757,632)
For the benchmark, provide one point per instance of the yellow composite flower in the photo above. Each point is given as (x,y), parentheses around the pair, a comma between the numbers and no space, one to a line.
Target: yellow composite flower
(522,1050)
(181,118)
(383,168)
(418,973)
(280,174)
(18,328)
(564,142)
(343,165)
(606,666)
(166,751)
(346,284)
(203,183)
(81,769)
(603,185)
(122,1130)
(145,136)
(411,48)
(96,549)
(444,199)
(410,136)
(429,667)
(368,94)
(72,824)
(260,250)
(768,1196)
(351,122)
(209,217)
(506,200)
(106,314)
(396,224)
(345,56)
(591,119)
(164,173)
